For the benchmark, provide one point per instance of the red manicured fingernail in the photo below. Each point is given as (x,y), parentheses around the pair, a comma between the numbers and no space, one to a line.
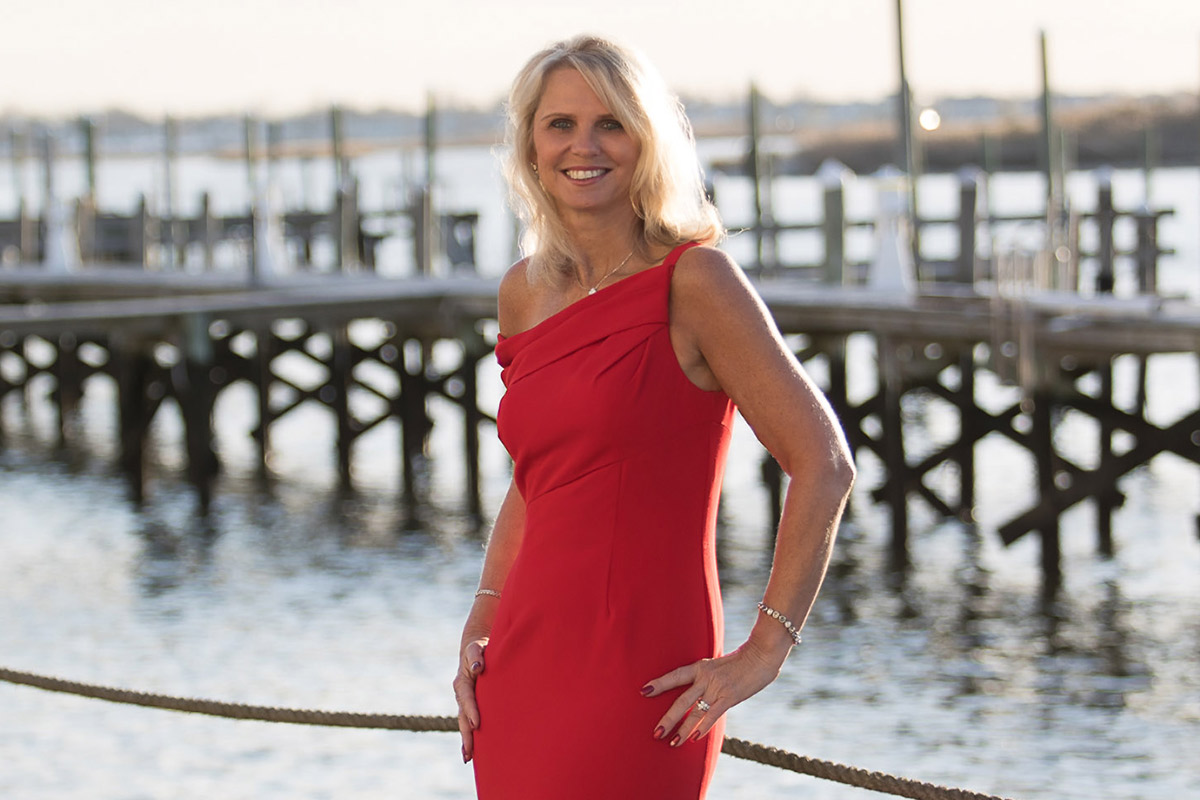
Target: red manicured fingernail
(695,735)
(646,690)
(466,757)
(660,732)
(475,666)
(675,741)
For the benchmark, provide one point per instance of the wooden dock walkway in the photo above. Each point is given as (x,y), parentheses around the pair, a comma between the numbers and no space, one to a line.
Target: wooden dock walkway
(184,337)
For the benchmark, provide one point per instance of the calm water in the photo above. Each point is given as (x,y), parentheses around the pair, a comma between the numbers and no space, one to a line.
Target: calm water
(955,673)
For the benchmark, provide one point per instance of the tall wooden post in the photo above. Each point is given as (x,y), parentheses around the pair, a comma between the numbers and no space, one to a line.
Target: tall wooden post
(87,127)
(172,247)
(1050,147)
(341,167)
(968,220)
(133,365)
(1042,435)
(431,135)
(833,177)
(909,159)
(1105,217)
(48,158)
(68,377)
(891,390)
(969,433)
(264,357)
(1105,500)
(474,349)
(250,147)
(196,395)
(16,157)
(340,368)
(754,169)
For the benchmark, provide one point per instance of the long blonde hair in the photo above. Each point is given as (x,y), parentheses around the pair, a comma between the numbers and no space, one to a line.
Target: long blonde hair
(667,190)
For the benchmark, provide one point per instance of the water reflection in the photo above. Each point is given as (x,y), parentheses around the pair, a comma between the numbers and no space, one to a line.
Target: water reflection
(951,669)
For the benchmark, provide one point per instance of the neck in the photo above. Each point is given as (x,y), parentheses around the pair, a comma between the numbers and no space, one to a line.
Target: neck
(601,245)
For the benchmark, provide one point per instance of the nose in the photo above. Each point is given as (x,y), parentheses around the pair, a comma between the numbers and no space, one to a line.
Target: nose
(584,142)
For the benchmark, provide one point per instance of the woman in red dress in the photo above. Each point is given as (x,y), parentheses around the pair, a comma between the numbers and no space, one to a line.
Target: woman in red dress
(591,663)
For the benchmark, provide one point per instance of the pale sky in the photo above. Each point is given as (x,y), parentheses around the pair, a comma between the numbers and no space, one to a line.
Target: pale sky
(183,57)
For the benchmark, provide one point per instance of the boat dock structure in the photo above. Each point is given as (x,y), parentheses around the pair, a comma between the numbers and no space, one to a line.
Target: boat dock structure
(163,337)
(140,299)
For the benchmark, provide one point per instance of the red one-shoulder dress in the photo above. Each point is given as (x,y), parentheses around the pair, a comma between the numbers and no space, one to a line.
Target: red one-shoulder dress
(619,459)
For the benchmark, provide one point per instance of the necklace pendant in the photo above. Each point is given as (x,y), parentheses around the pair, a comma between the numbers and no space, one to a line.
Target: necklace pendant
(592,290)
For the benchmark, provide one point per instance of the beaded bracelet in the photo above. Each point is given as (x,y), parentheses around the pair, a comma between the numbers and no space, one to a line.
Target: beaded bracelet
(792,630)
(488,592)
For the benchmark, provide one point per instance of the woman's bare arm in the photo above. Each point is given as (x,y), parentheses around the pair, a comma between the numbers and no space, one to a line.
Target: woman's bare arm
(725,339)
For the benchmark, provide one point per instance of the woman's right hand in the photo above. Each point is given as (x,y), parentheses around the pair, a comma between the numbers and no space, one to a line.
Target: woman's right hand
(470,666)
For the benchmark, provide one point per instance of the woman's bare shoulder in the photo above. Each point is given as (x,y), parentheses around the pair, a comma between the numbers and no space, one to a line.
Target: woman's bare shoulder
(515,299)
(706,274)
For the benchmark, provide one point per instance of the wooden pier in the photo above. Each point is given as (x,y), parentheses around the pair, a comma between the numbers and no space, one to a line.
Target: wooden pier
(141,308)
(189,341)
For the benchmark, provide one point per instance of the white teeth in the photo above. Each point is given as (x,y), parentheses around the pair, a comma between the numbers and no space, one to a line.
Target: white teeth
(584,174)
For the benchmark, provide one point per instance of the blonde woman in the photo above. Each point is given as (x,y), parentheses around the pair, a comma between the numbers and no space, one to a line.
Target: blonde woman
(591,662)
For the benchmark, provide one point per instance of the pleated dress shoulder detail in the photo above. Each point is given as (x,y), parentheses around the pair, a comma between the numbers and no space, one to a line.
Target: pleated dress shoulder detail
(619,459)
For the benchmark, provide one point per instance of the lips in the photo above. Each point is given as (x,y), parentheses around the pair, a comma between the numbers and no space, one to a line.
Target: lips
(584,174)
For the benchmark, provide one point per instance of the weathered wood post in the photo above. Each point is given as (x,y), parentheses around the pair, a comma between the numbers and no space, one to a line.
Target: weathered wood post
(909,155)
(196,394)
(30,239)
(764,242)
(49,154)
(1105,217)
(16,160)
(85,227)
(341,167)
(1042,442)
(68,377)
(250,153)
(135,408)
(341,367)
(833,176)
(173,249)
(969,200)
(143,232)
(1147,250)
(209,231)
(415,424)
(421,212)
(87,127)
(264,356)
(970,431)
(1107,499)
(346,226)
(475,349)
(891,391)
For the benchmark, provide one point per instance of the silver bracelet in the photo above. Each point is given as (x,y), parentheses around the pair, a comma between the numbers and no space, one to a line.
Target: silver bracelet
(488,592)
(792,630)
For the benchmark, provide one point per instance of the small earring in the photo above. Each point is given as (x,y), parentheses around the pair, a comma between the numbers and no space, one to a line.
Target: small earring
(533,166)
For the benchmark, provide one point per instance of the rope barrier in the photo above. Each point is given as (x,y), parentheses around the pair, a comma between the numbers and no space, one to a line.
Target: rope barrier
(738,748)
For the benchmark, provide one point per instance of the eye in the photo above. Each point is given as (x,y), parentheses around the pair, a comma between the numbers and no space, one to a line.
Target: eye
(611,125)
(561,124)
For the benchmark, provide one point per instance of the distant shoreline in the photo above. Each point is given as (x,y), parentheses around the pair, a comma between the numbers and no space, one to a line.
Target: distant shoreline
(991,134)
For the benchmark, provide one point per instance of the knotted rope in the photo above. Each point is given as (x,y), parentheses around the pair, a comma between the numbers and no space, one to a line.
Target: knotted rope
(738,748)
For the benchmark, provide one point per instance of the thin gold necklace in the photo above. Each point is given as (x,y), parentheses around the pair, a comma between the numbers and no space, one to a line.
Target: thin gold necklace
(607,275)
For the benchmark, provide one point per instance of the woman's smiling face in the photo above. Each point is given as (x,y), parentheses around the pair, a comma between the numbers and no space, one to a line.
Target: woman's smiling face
(585,157)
